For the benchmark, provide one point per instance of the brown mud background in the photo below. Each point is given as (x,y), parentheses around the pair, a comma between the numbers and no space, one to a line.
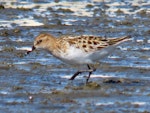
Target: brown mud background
(38,82)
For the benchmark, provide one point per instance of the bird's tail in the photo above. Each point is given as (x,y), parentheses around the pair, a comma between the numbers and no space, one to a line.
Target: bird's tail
(116,41)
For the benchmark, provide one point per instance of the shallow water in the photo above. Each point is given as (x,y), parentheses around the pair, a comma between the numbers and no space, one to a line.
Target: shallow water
(38,82)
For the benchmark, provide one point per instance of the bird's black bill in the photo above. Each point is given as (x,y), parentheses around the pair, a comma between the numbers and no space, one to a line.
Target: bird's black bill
(33,48)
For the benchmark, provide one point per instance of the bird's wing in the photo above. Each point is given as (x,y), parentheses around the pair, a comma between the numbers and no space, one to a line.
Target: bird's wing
(88,43)
(94,43)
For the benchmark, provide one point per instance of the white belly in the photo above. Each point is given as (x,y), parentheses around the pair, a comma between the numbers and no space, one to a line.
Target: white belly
(78,56)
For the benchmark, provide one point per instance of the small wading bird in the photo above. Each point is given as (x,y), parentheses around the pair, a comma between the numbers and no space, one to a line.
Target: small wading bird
(78,50)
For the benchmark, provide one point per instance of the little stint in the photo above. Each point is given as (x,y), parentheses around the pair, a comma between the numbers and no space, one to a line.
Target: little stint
(78,50)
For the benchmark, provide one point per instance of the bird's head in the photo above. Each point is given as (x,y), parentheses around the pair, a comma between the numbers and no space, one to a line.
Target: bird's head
(41,42)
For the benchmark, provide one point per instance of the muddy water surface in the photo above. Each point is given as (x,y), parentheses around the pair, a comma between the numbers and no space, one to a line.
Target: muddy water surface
(38,82)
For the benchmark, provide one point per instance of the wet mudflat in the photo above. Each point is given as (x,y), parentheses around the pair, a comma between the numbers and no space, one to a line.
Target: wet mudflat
(38,82)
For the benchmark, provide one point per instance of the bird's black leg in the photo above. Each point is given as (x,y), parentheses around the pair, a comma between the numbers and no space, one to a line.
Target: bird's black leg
(90,70)
(89,73)
(76,74)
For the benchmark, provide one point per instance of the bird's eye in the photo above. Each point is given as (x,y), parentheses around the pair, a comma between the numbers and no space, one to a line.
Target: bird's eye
(39,41)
